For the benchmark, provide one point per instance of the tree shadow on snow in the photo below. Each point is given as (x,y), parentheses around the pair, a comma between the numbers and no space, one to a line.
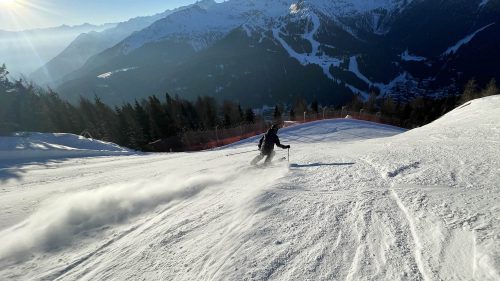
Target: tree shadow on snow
(9,173)
(13,169)
(319,165)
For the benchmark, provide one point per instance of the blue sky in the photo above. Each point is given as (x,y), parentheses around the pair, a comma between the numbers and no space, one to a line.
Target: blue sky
(27,14)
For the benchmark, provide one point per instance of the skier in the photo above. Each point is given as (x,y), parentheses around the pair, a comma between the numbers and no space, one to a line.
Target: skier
(266,145)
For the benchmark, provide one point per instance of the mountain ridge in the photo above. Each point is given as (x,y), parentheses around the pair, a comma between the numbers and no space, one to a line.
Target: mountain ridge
(334,36)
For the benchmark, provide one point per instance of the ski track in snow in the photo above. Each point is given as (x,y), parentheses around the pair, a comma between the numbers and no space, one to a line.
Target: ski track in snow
(353,67)
(406,56)
(359,201)
(414,234)
(483,3)
(315,57)
(384,88)
(453,49)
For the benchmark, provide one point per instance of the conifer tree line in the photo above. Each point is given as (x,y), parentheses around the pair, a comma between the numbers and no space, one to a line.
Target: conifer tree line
(420,111)
(25,107)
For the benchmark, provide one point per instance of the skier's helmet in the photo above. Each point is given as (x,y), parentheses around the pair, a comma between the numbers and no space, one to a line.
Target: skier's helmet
(275,127)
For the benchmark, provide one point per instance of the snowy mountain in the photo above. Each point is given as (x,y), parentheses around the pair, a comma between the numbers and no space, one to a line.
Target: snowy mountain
(24,51)
(281,49)
(202,26)
(378,203)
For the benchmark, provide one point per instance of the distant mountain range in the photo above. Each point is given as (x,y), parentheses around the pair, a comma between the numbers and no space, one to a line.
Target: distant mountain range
(24,51)
(268,51)
(86,27)
(89,44)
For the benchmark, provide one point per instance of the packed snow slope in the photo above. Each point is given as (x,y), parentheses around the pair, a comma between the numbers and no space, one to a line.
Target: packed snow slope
(359,201)
(50,146)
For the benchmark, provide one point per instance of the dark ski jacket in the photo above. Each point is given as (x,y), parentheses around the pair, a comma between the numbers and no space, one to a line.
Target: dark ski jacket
(268,140)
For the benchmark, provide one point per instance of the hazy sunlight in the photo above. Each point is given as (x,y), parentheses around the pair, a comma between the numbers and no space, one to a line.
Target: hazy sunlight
(8,3)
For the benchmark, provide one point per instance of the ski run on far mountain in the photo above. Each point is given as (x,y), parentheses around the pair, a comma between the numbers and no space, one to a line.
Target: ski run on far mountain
(262,51)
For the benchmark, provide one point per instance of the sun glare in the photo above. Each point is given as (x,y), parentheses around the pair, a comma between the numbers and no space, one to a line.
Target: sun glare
(7,2)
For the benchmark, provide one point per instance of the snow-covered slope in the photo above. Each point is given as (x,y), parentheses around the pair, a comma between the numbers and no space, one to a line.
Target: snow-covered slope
(453,49)
(359,201)
(43,146)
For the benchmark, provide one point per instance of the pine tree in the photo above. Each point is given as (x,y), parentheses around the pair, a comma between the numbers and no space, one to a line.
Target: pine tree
(227,122)
(491,89)
(87,111)
(142,118)
(300,106)
(132,130)
(249,116)
(371,103)
(206,107)
(231,113)
(240,111)
(277,114)
(123,137)
(292,114)
(107,121)
(315,106)
(470,91)
(404,111)
(54,108)
(157,119)
(388,107)
(4,81)
(356,104)
(418,114)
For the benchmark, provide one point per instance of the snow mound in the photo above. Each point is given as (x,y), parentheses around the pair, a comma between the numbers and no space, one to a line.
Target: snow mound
(45,145)
(475,120)
(330,130)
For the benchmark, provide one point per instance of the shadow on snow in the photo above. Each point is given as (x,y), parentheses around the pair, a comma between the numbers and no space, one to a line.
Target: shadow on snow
(319,165)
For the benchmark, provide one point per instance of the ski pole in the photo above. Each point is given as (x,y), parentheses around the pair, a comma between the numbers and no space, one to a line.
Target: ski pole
(288,155)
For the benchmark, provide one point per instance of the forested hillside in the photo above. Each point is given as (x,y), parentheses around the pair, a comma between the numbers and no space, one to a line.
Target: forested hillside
(25,107)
